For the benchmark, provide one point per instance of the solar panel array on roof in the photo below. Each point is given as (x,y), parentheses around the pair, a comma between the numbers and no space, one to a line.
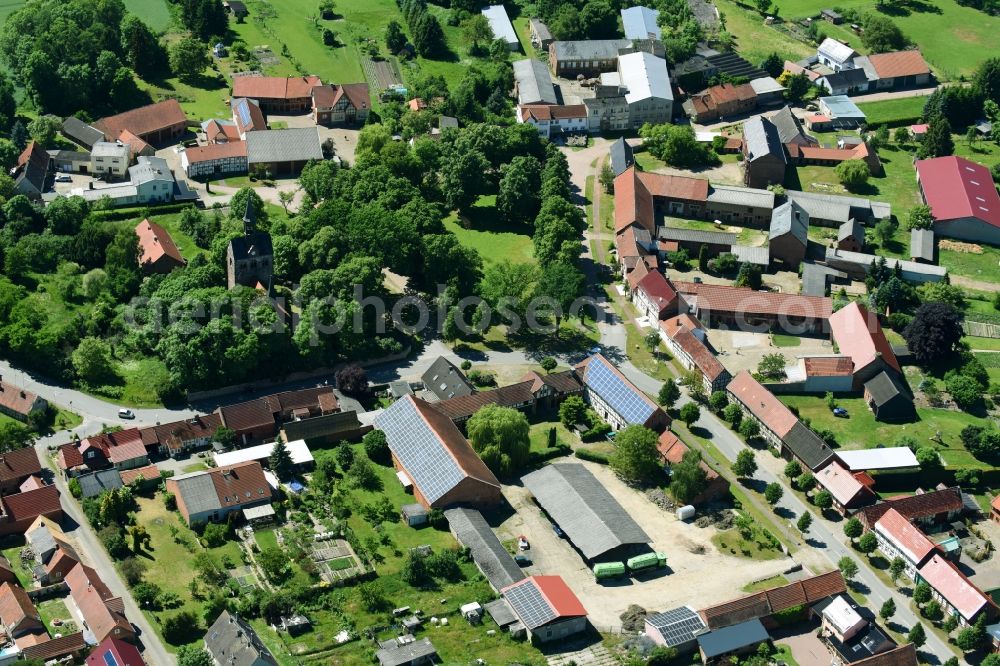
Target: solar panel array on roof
(624,399)
(244,112)
(529,604)
(677,626)
(419,450)
(109,658)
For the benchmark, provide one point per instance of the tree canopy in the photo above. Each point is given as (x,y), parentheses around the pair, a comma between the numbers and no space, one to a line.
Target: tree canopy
(500,437)
(636,458)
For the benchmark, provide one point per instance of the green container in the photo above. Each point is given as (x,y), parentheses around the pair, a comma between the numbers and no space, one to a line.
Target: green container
(647,561)
(609,570)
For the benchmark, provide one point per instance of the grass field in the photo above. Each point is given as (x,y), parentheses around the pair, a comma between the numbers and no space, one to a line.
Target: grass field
(492,238)
(766,584)
(781,340)
(894,112)
(754,40)
(8,7)
(861,431)
(153,12)
(985,266)
(952,38)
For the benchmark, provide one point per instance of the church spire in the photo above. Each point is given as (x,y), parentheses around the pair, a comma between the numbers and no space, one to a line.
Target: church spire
(249,218)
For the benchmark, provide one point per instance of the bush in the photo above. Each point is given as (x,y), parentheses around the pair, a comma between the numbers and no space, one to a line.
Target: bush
(592,456)
(376,446)
(965,391)
(853,174)
(215,535)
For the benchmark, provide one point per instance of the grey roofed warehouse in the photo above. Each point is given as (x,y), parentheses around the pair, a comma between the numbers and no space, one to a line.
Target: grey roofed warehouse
(299,144)
(534,83)
(584,509)
(473,532)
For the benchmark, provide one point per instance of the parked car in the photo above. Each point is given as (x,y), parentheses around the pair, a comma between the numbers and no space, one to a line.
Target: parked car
(522,543)
(522,560)
(841,412)
(64,178)
(126,414)
(559,533)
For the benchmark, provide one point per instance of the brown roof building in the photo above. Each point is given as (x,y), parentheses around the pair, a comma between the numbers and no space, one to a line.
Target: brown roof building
(722,100)
(746,309)
(773,417)
(859,335)
(157,123)
(180,436)
(16,466)
(672,450)
(924,508)
(19,403)
(899,69)
(100,608)
(434,455)
(213,494)
(17,614)
(685,337)
(768,602)
(337,104)
(157,251)
(278,94)
(20,510)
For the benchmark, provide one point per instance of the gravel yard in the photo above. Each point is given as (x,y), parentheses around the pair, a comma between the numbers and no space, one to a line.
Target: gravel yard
(690,555)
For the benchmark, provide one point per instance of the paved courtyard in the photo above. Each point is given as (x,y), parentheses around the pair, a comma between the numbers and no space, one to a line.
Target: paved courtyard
(738,350)
(689,550)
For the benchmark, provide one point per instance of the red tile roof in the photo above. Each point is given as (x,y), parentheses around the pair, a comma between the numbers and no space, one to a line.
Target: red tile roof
(672,450)
(216,151)
(239,484)
(144,120)
(57,647)
(828,366)
(956,188)
(702,356)
(859,335)
(69,456)
(247,415)
(17,400)
(31,483)
(899,63)
(725,299)
(93,597)
(777,599)
(275,87)
(640,271)
(674,187)
(561,382)
(952,584)
(840,482)
(915,507)
(254,116)
(155,243)
(902,655)
(214,130)
(125,654)
(556,594)
(464,406)
(658,290)
(147,473)
(118,447)
(16,608)
(553,111)
(671,325)
(904,536)
(18,464)
(762,404)
(134,143)
(197,427)
(633,202)
(28,506)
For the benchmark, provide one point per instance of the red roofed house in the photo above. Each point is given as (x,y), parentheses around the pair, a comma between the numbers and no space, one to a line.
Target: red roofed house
(22,509)
(158,123)
(115,651)
(277,94)
(655,297)
(16,466)
(849,493)
(101,609)
(122,450)
(719,101)
(898,538)
(19,617)
(20,404)
(554,119)
(820,374)
(213,494)
(215,160)
(221,132)
(157,251)
(431,453)
(759,404)
(672,451)
(899,69)
(858,334)
(547,608)
(962,197)
(956,593)
(337,104)
(639,195)
(760,311)
(177,437)
(685,337)
(936,507)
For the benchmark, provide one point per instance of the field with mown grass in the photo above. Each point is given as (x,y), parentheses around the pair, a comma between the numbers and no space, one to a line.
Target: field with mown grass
(154,13)
(901,111)
(494,240)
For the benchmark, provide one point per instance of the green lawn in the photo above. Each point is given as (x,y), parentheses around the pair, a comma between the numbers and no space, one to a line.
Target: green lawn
(53,610)
(8,7)
(539,434)
(139,381)
(153,12)
(754,40)
(781,340)
(183,242)
(13,555)
(952,38)
(861,431)
(992,344)
(784,654)
(894,112)
(487,234)
(983,266)
(766,584)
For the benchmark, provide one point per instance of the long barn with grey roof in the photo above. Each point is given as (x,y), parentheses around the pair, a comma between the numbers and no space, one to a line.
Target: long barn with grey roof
(283,151)
(473,532)
(592,519)
(533,82)
(764,156)
(832,210)
(588,57)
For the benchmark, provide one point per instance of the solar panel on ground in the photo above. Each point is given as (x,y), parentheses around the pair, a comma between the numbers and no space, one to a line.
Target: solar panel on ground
(419,450)
(529,604)
(677,626)
(624,399)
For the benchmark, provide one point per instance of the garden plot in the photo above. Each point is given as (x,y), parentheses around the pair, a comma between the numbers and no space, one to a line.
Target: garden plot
(336,561)
(382,74)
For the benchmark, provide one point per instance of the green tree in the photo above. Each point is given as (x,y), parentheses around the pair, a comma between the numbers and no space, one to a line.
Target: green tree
(733,415)
(896,568)
(853,529)
(668,394)
(745,465)
(793,470)
(274,563)
(44,129)
(880,34)
(561,282)
(887,610)
(476,31)
(122,264)
(193,655)
(188,58)
(280,461)
(636,458)
(937,141)
(572,411)
(901,135)
(8,157)
(966,393)
(796,86)
(690,413)
(853,174)
(804,522)
(867,543)
(921,593)
(395,40)
(934,332)
(607,178)
(376,446)
(140,48)
(917,635)
(772,366)
(517,200)
(718,400)
(823,499)
(749,429)
(500,436)
(974,637)
(773,492)
(676,145)
(688,478)
(548,364)
(848,567)
(92,361)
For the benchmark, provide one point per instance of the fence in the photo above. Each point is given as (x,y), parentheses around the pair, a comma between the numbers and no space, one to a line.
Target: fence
(981,329)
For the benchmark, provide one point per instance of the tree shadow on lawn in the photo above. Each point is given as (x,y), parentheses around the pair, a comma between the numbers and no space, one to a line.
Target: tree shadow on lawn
(908,7)
(487,218)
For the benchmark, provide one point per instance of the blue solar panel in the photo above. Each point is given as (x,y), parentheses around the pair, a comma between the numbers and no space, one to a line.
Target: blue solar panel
(244,111)
(109,658)
(626,400)
(419,449)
